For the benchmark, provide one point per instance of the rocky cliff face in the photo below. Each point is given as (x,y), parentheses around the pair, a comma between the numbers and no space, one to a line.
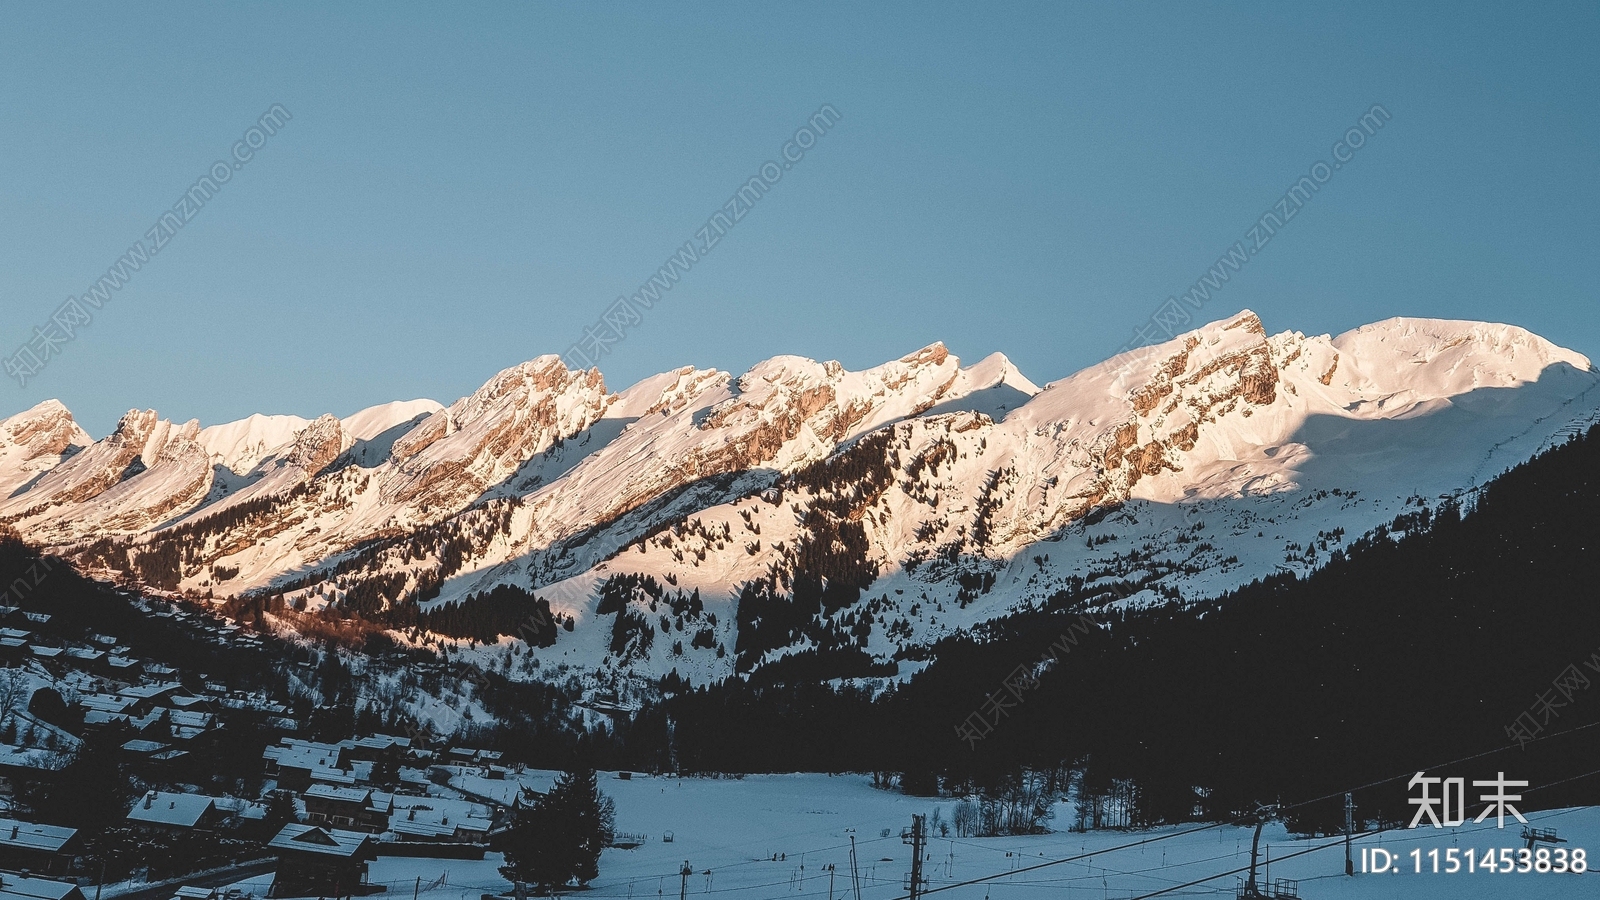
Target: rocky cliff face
(456,454)
(103,464)
(946,494)
(35,441)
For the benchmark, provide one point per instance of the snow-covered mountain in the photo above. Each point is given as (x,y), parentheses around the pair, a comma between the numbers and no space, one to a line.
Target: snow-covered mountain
(870,512)
(34,442)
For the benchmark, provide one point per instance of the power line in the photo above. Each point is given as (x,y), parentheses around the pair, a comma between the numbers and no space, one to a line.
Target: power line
(1341,839)
(1091,853)
(1130,845)
(1057,862)
(1199,881)
(1107,870)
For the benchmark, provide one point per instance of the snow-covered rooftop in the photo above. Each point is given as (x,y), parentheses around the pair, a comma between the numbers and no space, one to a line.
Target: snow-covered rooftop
(163,808)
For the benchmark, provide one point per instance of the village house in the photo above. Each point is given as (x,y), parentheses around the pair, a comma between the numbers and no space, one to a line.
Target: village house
(320,862)
(436,822)
(164,811)
(26,887)
(36,848)
(101,710)
(147,697)
(296,764)
(357,809)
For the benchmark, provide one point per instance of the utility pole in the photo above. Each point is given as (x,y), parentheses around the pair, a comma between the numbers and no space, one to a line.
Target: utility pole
(1349,827)
(686,871)
(1252,888)
(916,838)
(855,876)
(830,881)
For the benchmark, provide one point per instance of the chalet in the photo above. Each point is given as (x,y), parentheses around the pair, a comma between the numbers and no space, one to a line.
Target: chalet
(164,811)
(379,747)
(318,861)
(14,650)
(14,645)
(385,753)
(293,762)
(360,772)
(143,749)
(36,848)
(45,654)
(147,697)
(106,709)
(423,823)
(472,756)
(27,887)
(123,668)
(180,726)
(358,809)
(200,704)
(85,658)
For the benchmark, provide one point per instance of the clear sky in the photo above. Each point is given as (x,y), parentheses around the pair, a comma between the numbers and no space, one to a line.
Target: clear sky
(466,186)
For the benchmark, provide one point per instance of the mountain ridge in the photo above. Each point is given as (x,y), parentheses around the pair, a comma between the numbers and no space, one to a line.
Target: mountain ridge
(979,492)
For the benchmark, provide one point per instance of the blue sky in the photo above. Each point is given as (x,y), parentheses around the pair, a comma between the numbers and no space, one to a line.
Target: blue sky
(465,187)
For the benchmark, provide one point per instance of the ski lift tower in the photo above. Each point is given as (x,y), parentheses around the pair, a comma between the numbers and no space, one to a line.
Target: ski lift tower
(1258,888)
(1536,836)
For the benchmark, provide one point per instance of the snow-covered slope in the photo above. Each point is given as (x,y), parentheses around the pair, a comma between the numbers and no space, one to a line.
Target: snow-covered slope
(240,446)
(34,441)
(919,496)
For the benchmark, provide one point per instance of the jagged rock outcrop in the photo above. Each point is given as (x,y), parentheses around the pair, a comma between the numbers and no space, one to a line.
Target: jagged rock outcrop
(458,453)
(34,441)
(318,444)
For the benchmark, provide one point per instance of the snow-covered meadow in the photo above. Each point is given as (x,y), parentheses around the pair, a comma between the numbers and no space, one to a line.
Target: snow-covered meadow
(730,829)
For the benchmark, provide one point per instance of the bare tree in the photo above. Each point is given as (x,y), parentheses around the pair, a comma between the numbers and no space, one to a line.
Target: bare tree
(966,819)
(13,689)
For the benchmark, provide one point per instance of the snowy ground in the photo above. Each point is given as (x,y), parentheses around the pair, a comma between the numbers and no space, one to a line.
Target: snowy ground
(729,829)
(462,879)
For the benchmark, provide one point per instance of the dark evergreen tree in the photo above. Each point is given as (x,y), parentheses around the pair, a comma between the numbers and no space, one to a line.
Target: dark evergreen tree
(280,811)
(89,793)
(558,840)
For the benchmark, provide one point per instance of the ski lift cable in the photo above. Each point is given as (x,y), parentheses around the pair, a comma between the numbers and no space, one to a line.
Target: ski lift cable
(1092,853)
(1339,841)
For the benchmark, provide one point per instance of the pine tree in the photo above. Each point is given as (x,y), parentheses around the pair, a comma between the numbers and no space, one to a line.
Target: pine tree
(558,840)
(281,811)
(89,792)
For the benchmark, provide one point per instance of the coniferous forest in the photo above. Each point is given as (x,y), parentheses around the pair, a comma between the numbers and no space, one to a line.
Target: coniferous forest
(1426,642)
(1429,641)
